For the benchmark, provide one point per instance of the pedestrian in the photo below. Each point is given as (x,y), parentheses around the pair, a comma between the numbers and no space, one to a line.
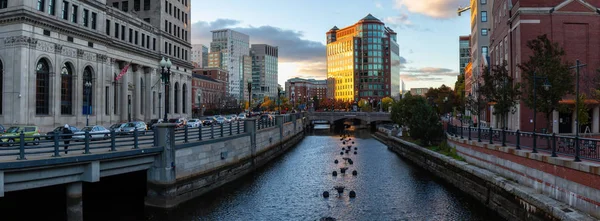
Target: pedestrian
(67,135)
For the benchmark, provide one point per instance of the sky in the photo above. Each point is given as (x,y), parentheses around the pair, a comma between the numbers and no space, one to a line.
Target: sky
(428,32)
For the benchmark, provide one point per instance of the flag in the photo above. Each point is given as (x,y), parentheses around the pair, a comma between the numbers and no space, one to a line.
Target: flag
(123,71)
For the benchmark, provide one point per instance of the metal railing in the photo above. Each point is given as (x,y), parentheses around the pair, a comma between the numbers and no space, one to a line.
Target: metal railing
(588,148)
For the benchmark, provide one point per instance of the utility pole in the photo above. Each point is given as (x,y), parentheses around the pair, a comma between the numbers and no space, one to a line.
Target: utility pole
(577,66)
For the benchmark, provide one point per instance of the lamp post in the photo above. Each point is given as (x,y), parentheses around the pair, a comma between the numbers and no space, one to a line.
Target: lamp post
(166,75)
(249,95)
(577,66)
(546,86)
(88,88)
(278,100)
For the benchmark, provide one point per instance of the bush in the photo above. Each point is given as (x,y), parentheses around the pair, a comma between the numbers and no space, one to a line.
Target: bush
(421,118)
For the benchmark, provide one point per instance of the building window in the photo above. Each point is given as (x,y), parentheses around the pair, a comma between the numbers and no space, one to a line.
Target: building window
(148,41)
(166,8)
(65,10)
(483,2)
(88,91)
(136,5)
(184,96)
(85,17)
(115,96)
(3,4)
(484,51)
(176,98)
(143,40)
(40,5)
(483,16)
(106,101)
(107,27)
(51,4)
(74,13)
(170,9)
(116,5)
(142,91)
(125,6)
(42,87)
(153,102)
(166,45)
(136,37)
(484,32)
(66,89)
(147,20)
(130,35)
(123,32)
(146,5)
(154,44)
(116,30)
(94,20)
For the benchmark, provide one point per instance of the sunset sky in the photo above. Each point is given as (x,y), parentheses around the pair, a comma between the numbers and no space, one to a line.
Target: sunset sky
(428,32)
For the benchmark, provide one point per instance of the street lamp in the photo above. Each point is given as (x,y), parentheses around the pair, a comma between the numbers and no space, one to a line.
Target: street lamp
(249,94)
(166,75)
(546,86)
(88,87)
(279,99)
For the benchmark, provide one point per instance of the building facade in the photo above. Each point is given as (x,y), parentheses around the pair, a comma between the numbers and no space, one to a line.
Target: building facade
(299,89)
(574,25)
(464,48)
(419,91)
(59,62)
(265,59)
(199,56)
(232,46)
(208,92)
(363,61)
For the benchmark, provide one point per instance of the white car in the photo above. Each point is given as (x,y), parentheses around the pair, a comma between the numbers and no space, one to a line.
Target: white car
(194,123)
(96,133)
(242,116)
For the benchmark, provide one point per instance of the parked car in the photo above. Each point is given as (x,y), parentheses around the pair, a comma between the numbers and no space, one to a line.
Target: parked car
(59,131)
(220,120)
(117,127)
(32,135)
(131,126)
(234,117)
(152,122)
(2,129)
(96,133)
(228,119)
(179,121)
(194,123)
(242,116)
(207,121)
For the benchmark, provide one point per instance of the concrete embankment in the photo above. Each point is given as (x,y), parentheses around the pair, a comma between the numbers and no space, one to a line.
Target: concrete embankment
(509,199)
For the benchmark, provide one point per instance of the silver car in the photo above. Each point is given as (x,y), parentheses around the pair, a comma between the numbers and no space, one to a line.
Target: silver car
(96,133)
(194,123)
(136,125)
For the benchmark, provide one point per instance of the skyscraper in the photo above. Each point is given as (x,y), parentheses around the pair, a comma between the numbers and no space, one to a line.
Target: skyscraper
(464,48)
(231,47)
(199,56)
(264,70)
(363,61)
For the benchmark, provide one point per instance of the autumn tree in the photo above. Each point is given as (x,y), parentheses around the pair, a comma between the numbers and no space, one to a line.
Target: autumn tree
(443,97)
(386,102)
(548,65)
(500,88)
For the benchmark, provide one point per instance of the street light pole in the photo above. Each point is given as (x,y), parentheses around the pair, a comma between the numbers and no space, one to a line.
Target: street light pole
(249,96)
(88,87)
(546,86)
(165,77)
(577,66)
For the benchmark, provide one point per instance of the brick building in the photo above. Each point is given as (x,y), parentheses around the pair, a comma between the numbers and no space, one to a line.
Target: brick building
(301,89)
(209,86)
(573,24)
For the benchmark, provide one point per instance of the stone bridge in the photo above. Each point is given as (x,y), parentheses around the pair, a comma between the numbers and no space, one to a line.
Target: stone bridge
(367,117)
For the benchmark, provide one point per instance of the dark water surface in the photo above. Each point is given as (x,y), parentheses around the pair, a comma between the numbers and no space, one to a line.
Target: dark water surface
(291,187)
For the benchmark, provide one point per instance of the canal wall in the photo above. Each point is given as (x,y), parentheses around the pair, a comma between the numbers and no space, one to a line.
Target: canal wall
(201,167)
(509,199)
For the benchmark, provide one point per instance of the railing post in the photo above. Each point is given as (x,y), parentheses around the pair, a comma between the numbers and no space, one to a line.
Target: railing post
(577,149)
(469,130)
(135,139)
(518,140)
(554,145)
(230,128)
(55,138)
(21,146)
(222,125)
(212,131)
(113,137)
(503,137)
(478,132)
(185,134)
(200,132)
(534,142)
(154,133)
(238,127)
(86,138)
(491,135)
(461,131)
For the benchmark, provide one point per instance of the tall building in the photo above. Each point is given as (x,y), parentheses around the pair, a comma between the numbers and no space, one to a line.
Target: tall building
(265,60)
(363,61)
(419,91)
(570,24)
(75,50)
(199,56)
(247,65)
(299,89)
(464,48)
(232,46)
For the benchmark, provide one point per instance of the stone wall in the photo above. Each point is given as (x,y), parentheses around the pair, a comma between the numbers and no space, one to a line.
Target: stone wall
(203,166)
(507,198)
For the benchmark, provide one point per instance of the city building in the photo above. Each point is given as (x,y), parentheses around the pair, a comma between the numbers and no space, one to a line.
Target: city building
(209,88)
(573,24)
(199,56)
(299,89)
(265,60)
(363,61)
(464,48)
(419,91)
(231,47)
(89,44)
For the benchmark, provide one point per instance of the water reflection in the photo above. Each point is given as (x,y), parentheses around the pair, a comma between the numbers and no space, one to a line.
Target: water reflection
(290,188)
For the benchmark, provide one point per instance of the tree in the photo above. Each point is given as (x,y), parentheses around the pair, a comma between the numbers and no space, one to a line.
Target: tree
(267,104)
(386,102)
(476,104)
(459,93)
(582,110)
(419,117)
(546,62)
(364,105)
(316,102)
(499,87)
(443,97)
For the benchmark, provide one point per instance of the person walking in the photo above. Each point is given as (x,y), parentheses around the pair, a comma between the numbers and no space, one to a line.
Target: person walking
(67,135)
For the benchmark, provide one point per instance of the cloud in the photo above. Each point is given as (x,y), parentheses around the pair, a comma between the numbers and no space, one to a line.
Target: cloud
(378,5)
(292,46)
(442,9)
(314,70)
(402,22)
(427,74)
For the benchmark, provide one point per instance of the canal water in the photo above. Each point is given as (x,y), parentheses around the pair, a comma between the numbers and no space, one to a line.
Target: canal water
(387,187)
